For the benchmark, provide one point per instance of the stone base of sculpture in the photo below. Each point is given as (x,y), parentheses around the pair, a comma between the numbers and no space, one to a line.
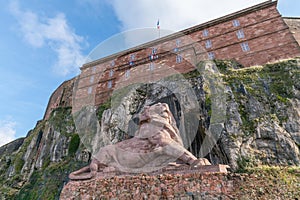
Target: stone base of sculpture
(171,182)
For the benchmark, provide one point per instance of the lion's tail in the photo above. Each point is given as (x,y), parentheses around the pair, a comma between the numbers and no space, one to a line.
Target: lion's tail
(78,175)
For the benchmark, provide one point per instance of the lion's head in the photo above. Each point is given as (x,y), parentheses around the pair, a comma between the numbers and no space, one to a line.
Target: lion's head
(159,111)
(156,118)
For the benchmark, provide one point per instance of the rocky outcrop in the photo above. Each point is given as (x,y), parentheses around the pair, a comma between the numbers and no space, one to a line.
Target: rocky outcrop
(45,157)
(263,118)
(253,111)
(261,124)
(61,97)
(11,147)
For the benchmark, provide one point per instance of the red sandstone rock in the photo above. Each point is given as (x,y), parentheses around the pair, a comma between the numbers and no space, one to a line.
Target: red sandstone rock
(176,184)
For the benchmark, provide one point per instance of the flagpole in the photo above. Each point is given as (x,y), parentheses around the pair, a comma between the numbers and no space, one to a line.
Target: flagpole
(158,27)
(159,33)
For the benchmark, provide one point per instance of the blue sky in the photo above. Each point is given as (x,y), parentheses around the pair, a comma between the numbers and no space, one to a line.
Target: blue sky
(43,43)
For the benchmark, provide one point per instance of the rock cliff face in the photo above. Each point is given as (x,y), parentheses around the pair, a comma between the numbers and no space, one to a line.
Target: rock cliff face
(36,167)
(260,125)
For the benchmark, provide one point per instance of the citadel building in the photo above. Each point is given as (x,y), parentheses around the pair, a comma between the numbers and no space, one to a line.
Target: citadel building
(253,36)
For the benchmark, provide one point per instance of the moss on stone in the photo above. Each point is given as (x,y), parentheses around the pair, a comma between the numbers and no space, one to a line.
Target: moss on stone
(19,162)
(271,85)
(102,108)
(268,182)
(61,118)
(244,163)
(74,144)
(47,183)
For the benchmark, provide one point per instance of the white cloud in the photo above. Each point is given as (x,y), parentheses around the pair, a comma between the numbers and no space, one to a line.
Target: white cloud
(54,32)
(174,14)
(7,131)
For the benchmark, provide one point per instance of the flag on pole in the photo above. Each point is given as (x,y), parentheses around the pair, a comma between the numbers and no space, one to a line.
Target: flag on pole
(158,24)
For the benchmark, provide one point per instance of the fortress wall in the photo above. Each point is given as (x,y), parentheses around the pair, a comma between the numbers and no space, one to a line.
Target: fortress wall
(294,25)
(266,38)
(61,97)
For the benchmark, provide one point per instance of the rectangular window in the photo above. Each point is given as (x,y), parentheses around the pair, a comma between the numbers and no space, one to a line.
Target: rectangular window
(90,89)
(151,66)
(240,34)
(132,57)
(205,33)
(178,59)
(211,55)
(112,63)
(92,79)
(208,44)
(127,73)
(109,84)
(153,55)
(111,73)
(236,23)
(178,41)
(245,46)
(154,50)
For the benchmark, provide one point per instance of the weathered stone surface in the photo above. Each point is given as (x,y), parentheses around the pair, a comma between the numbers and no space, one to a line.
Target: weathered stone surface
(294,25)
(11,147)
(261,183)
(207,182)
(61,97)
(262,114)
(261,127)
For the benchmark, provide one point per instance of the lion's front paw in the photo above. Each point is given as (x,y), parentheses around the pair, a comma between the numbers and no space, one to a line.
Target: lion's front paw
(200,162)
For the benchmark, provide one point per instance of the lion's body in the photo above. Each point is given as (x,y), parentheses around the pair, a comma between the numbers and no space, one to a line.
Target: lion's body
(156,144)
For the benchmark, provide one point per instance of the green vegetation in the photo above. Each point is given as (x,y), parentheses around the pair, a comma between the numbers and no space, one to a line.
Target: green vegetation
(102,108)
(269,182)
(19,162)
(226,65)
(61,118)
(208,105)
(192,74)
(10,186)
(245,163)
(74,144)
(47,183)
(271,86)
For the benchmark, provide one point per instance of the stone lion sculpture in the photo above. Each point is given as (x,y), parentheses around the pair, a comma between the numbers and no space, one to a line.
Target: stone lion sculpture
(156,143)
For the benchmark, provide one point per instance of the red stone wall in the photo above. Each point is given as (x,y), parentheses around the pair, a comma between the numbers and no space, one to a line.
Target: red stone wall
(61,97)
(261,183)
(163,186)
(268,37)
